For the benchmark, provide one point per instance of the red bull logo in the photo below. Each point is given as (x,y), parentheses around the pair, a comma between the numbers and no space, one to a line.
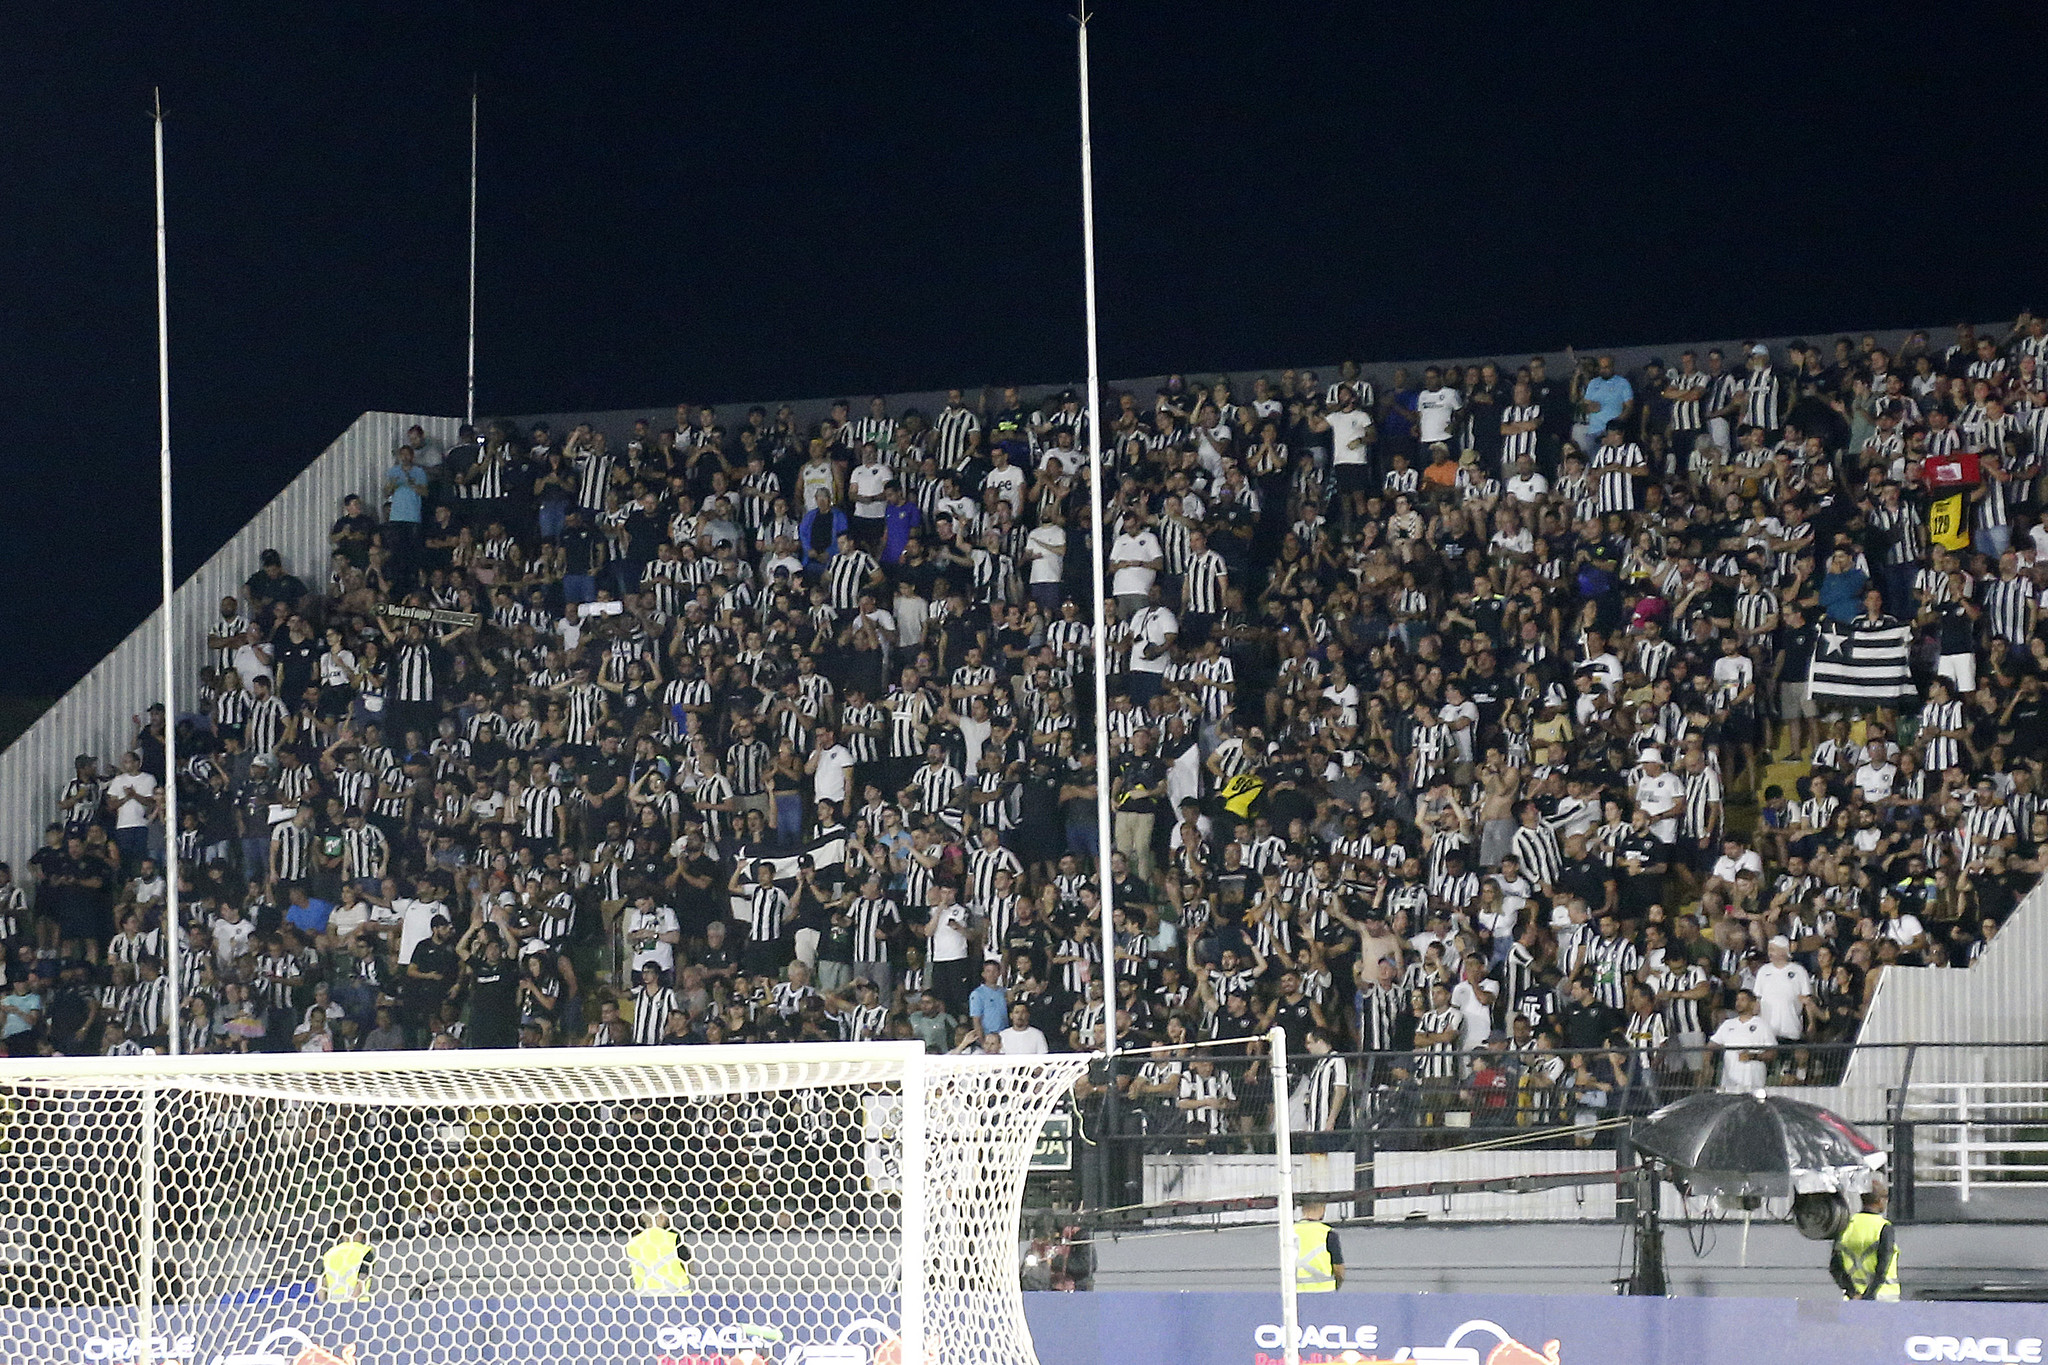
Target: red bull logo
(1474,1342)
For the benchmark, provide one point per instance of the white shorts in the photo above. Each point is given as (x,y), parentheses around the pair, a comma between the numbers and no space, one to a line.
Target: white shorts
(1960,669)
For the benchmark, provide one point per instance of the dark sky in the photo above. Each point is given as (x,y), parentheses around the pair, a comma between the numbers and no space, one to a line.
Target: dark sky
(747,200)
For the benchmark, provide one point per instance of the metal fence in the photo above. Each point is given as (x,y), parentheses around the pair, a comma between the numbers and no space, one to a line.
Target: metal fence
(1165,1133)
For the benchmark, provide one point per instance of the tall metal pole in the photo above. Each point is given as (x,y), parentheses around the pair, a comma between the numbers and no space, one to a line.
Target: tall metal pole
(469,407)
(171,945)
(1283,1203)
(145,1229)
(1105,831)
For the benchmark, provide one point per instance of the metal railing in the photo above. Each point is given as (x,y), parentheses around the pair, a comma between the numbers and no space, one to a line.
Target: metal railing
(1158,1129)
(1971,1134)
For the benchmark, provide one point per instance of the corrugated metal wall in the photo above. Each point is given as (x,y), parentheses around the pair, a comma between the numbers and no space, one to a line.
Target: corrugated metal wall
(1999,1000)
(93,717)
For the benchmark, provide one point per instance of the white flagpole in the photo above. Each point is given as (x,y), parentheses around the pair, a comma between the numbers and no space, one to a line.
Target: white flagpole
(1104,826)
(469,408)
(171,943)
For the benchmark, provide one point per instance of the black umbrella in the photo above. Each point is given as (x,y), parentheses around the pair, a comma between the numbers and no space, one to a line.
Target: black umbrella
(1757,1144)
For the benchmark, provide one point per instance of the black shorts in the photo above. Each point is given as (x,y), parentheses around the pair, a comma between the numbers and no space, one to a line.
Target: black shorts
(1348,478)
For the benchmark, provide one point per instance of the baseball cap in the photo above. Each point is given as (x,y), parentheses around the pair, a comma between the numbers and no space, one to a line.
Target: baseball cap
(1759,349)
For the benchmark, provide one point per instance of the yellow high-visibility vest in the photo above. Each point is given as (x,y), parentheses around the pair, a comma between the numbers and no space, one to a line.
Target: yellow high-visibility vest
(342,1270)
(657,1269)
(1313,1272)
(1857,1246)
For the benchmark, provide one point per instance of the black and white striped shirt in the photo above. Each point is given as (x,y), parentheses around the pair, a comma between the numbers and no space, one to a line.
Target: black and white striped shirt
(848,574)
(2006,608)
(264,726)
(1326,1092)
(540,812)
(412,672)
(766,907)
(954,428)
(747,762)
(1202,589)
(651,1008)
(1760,396)
(364,852)
(873,921)
(292,845)
(1537,847)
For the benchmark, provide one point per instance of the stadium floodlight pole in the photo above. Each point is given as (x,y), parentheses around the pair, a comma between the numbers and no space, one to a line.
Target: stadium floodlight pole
(1105,832)
(172,976)
(469,407)
(1283,1202)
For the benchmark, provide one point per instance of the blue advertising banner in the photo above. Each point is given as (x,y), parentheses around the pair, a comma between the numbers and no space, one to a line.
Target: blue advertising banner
(1067,1329)
(1484,1329)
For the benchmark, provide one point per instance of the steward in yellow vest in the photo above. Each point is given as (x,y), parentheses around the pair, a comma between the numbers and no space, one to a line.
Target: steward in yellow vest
(1866,1259)
(658,1258)
(1318,1260)
(344,1267)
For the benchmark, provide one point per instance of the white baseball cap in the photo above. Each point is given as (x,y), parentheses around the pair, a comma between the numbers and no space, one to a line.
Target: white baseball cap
(1650,756)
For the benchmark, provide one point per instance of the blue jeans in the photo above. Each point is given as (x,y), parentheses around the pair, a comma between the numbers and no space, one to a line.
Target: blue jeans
(789,818)
(553,515)
(578,587)
(1993,540)
(134,845)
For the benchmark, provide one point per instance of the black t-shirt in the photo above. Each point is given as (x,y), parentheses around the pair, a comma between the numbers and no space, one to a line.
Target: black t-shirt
(430,956)
(1589,1025)
(493,991)
(1141,770)
(2029,724)
(1797,648)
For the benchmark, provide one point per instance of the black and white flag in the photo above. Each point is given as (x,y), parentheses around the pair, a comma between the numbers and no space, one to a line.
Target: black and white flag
(828,859)
(1862,664)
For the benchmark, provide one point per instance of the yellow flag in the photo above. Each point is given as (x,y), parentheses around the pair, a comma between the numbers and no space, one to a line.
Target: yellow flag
(1945,523)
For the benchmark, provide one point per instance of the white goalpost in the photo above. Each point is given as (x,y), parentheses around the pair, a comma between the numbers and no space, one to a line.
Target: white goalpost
(848,1204)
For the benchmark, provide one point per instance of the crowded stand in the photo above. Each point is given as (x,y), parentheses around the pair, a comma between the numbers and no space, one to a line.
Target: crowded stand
(1464,715)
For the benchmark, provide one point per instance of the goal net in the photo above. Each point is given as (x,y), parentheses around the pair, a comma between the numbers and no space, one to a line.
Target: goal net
(840,1205)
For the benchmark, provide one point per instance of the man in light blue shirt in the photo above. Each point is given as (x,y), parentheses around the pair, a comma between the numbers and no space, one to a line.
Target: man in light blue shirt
(405,486)
(1610,397)
(989,1005)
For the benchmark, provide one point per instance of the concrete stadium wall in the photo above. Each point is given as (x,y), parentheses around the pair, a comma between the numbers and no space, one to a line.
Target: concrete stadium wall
(94,716)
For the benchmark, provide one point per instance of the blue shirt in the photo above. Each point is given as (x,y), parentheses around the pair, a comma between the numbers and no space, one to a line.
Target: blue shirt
(1841,594)
(312,916)
(28,1002)
(990,1006)
(406,487)
(1609,395)
(899,521)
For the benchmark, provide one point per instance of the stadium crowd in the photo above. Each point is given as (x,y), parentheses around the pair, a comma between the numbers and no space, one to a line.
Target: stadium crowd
(1444,713)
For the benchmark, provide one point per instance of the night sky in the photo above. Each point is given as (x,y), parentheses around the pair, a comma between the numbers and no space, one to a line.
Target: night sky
(753,200)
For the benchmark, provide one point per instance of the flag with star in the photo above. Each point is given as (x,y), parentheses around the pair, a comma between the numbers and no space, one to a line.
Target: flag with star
(1861,664)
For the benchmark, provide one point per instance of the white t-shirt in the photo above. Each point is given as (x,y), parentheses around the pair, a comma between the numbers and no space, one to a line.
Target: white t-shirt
(1347,428)
(1009,485)
(1661,796)
(231,941)
(1151,626)
(416,924)
(949,933)
(829,782)
(1023,1042)
(1727,869)
(1050,560)
(867,482)
(1527,487)
(1876,783)
(657,921)
(909,620)
(1778,993)
(1452,713)
(346,919)
(1135,582)
(1434,409)
(131,794)
(1742,1035)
